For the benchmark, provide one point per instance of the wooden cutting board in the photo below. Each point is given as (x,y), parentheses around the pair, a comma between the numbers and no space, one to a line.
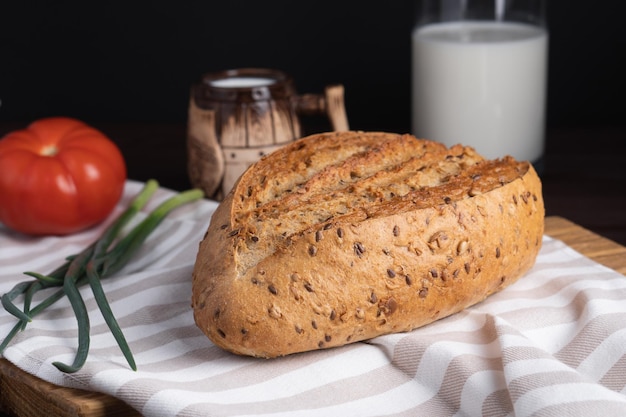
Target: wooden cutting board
(22,394)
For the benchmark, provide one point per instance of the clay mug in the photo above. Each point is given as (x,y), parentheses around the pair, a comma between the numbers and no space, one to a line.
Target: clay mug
(237,116)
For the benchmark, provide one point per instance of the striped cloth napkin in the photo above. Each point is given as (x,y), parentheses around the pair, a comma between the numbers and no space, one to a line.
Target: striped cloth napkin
(554,343)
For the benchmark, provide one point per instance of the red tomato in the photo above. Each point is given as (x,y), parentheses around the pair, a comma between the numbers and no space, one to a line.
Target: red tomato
(58,176)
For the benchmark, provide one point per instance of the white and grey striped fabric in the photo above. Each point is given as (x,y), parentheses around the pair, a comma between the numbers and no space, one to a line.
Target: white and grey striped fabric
(553,344)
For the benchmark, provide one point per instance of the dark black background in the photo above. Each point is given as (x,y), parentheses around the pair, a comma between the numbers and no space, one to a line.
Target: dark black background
(126,68)
(134,61)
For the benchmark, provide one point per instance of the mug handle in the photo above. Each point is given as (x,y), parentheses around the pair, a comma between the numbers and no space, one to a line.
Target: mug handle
(205,160)
(332,103)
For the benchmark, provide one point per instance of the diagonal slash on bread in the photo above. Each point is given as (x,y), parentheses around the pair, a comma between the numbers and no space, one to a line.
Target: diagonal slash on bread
(345,236)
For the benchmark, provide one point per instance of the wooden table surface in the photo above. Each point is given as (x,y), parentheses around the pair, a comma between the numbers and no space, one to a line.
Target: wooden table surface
(22,394)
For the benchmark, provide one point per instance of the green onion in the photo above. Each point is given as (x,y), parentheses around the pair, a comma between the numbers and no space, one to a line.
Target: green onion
(101,259)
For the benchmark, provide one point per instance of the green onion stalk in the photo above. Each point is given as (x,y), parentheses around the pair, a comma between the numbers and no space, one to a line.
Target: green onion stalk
(103,258)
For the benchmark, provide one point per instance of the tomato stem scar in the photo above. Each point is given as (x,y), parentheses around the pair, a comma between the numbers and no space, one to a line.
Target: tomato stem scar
(50,150)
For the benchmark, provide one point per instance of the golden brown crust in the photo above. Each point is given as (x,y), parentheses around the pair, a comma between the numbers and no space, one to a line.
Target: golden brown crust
(342,237)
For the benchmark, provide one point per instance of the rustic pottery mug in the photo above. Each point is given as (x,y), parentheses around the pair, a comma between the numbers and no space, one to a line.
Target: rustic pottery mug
(237,116)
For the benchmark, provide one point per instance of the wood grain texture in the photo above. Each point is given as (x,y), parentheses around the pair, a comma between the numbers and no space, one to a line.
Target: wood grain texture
(22,394)
(592,245)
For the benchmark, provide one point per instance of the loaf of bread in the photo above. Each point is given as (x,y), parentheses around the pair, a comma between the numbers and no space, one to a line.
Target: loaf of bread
(342,237)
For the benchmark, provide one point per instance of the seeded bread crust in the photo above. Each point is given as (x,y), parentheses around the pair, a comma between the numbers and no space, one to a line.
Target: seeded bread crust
(342,237)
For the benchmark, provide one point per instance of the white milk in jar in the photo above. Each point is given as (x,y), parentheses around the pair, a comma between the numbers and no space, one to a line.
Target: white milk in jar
(482,84)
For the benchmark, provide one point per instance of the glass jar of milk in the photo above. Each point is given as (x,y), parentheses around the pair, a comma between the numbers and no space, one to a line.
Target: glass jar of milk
(479,71)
